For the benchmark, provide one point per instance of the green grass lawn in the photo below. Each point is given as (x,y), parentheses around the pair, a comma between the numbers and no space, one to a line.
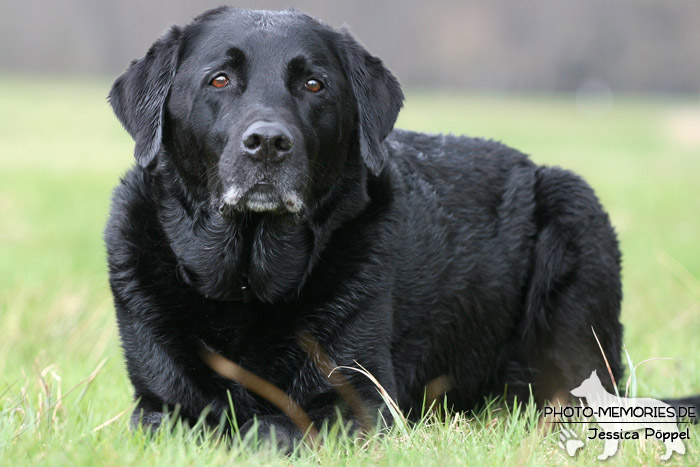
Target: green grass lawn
(64,392)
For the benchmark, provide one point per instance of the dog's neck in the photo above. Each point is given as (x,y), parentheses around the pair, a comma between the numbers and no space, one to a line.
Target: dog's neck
(266,255)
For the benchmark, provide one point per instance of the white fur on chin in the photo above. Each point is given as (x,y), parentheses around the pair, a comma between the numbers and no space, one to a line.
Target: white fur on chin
(290,201)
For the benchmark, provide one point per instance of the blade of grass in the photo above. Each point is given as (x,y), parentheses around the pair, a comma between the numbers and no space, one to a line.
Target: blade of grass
(607,364)
(92,376)
(393,407)
(263,388)
(634,369)
(632,377)
(110,421)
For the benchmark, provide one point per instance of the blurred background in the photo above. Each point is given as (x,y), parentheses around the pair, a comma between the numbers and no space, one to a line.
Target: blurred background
(609,89)
(504,45)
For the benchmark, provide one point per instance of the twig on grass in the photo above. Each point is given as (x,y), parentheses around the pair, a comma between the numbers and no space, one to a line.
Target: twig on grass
(262,388)
(339,382)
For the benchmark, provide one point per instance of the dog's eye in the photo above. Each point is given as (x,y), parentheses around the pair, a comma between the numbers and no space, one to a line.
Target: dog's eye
(313,85)
(220,81)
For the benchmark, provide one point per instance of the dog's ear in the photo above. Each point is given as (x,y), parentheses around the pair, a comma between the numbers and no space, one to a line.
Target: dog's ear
(379,99)
(138,95)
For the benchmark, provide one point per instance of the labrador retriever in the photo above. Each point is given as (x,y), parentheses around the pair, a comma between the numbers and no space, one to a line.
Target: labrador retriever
(271,199)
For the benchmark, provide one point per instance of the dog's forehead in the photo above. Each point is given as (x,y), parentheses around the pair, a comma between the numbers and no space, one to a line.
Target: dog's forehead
(257,34)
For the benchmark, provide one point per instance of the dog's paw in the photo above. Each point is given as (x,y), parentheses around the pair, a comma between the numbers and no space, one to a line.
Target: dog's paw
(569,442)
(271,429)
(148,421)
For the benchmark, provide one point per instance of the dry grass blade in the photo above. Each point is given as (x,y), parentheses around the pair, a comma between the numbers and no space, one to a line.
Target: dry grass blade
(339,383)
(41,413)
(399,419)
(434,390)
(262,388)
(89,381)
(612,378)
(110,421)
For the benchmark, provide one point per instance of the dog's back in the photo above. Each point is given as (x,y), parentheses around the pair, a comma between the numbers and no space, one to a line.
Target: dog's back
(485,229)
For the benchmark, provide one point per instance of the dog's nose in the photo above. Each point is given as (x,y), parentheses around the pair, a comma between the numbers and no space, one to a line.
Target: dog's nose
(267,140)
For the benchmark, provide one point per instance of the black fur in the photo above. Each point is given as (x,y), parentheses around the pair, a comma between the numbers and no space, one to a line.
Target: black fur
(417,256)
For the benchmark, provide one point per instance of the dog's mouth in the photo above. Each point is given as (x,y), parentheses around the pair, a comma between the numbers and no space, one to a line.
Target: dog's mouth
(262,196)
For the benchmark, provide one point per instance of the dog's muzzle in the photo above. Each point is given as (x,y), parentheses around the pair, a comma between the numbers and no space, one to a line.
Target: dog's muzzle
(262,197)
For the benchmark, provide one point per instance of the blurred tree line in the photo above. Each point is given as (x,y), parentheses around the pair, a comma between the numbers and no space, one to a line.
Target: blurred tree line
(499,45)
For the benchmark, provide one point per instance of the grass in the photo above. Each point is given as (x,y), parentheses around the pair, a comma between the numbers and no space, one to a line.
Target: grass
(64,393)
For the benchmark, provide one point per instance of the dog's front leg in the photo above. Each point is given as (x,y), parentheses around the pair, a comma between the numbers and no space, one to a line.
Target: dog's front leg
(327,409)
(147,414)
(277,429)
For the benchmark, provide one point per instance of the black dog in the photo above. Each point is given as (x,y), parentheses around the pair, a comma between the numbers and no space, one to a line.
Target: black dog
(271,200)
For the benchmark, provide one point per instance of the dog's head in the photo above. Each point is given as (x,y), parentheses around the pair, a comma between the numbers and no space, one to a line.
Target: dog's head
(259,110)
